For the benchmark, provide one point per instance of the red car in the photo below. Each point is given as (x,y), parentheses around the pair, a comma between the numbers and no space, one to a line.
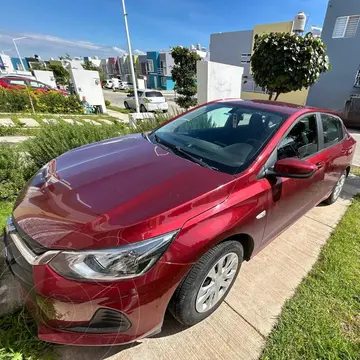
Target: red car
(107,237)
(17,82)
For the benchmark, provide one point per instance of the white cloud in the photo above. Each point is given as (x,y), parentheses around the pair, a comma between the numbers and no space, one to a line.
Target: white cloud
(139,52)
(49,45)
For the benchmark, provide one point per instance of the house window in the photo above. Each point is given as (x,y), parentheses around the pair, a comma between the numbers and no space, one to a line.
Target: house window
(150,64)
(245,61)
(163,81)
(346,26)
(162,64)
(245,55)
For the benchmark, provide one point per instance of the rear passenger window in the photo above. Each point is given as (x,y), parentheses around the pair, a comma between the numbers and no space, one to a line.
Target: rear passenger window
(332,128)
(302,140)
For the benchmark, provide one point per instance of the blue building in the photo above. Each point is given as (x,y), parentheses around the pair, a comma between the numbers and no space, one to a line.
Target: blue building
(17,64)
(158,70)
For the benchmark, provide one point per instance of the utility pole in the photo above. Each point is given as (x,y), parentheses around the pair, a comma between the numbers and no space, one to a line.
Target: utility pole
(17,50)
(131,58)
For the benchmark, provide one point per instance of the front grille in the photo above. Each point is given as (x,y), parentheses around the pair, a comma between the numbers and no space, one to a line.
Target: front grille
(104,321)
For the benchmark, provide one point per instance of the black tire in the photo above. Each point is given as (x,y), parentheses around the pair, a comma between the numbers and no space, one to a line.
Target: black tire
(335,193)
(165,111)
(126,105)
(142,108)
(183,303)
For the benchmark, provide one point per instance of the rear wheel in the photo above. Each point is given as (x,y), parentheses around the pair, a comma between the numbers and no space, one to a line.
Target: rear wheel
(142,108)
(337,189)
(126,105)
(207,283)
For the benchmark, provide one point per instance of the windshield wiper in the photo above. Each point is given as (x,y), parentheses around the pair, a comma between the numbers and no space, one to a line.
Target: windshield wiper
(183,152)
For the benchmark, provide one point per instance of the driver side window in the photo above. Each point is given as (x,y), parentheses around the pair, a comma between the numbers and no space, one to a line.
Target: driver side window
(302,140)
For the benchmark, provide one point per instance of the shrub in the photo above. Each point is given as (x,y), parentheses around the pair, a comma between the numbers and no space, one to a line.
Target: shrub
(14,100)
(54,139)
(56,103)
(19,100)
(151,123)
(107,102)
(15,169)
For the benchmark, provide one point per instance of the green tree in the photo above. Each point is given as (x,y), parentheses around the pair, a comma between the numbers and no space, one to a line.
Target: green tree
(184,75)
(282,62)
(88,65)
(38,66)
(61,75)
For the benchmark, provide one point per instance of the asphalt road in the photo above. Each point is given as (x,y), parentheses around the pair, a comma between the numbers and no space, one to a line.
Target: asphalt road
(117,98)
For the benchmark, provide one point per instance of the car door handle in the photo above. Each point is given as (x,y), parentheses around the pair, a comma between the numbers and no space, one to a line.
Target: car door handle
(344,152)
(320,165)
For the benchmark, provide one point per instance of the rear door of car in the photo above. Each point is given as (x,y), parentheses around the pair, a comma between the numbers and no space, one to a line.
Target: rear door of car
(335,153)
(130,99)
(36,85)
(290,198)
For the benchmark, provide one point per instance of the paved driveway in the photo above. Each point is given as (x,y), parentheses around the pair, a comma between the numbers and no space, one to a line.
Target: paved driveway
(356,135)
(238,329)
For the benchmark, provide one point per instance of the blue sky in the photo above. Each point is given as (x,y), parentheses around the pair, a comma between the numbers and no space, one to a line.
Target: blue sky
(97,28)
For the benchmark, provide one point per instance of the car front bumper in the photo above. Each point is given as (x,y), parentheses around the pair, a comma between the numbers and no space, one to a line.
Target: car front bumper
(92,313)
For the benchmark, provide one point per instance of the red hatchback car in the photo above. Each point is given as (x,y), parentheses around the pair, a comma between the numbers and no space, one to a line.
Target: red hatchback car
(107,237)
(17,82)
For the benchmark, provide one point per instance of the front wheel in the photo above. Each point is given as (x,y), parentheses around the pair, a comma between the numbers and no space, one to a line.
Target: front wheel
(337,189)
(142,108)
(207,283)
(126,105)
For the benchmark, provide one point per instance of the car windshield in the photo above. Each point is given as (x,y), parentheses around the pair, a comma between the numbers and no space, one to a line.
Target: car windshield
(154,94)
(224,136)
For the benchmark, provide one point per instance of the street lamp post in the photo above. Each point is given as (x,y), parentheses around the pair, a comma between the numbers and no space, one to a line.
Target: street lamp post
(17,50)
(131,58)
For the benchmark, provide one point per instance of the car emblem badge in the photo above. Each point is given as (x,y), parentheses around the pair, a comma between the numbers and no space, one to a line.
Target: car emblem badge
(261,215)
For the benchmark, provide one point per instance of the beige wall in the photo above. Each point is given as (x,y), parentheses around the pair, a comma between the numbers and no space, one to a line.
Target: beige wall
(274,27)
(295,97)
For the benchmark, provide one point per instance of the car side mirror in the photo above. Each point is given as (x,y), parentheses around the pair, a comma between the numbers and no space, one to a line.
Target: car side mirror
(292,168)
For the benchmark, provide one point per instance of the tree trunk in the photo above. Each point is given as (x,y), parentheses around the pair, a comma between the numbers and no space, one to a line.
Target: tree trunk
(271,95)
(277,95)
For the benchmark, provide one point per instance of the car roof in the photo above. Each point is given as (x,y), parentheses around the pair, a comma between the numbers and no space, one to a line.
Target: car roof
(149,90)
(276,106)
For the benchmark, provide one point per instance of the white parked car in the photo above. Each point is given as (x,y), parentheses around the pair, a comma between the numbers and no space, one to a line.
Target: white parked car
(149,100)
(123,85)
(108,84)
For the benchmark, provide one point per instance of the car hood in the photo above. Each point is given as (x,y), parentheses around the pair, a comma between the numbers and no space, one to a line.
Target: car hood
(114,192)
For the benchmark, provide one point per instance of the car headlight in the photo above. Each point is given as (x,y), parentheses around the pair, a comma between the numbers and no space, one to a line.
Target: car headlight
(124,262)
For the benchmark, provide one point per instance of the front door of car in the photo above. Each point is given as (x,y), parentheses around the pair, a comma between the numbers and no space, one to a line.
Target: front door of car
(289,198)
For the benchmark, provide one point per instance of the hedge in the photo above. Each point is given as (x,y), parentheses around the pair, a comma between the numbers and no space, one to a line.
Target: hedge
(28,100)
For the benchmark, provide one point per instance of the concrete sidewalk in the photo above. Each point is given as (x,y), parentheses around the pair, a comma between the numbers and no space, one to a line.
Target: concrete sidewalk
(238,329)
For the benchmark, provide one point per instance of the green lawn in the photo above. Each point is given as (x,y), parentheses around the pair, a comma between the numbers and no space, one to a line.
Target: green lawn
(322,320)
(120,109)
(5,210)
(18,339)
(355,170)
